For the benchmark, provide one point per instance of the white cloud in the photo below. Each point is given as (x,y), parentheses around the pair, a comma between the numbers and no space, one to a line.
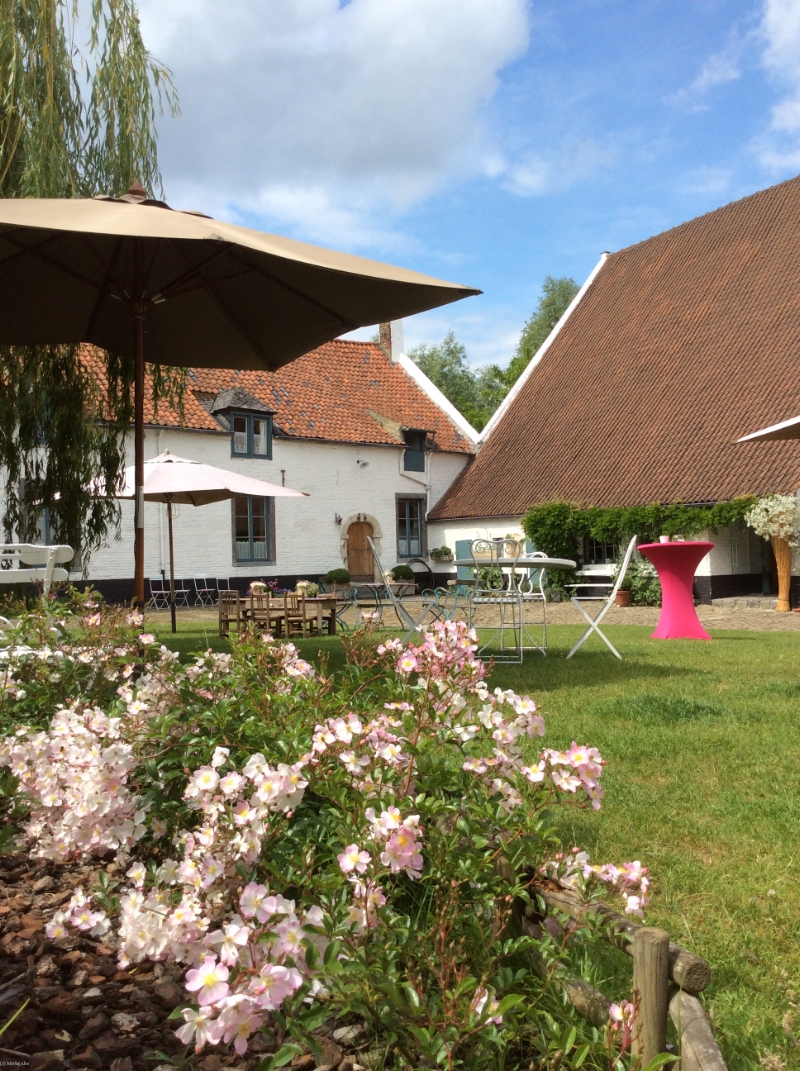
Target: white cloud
(721,67)
(329,117)
(779,147)
(706,180)
(534,174)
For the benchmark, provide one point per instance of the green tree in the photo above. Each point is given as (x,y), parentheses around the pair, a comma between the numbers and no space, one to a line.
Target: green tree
(72,124)
(476,393)
(556,296)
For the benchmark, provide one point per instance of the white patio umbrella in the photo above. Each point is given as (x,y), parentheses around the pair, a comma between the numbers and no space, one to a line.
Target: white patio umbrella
(170,479)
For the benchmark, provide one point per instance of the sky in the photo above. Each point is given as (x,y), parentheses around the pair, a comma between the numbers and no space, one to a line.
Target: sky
(489,142)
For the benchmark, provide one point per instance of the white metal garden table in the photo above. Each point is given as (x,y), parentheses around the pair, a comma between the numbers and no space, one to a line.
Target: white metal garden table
(516,570)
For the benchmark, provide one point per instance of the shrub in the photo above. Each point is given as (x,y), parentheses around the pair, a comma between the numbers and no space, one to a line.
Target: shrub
(313,847)
(643,583)
(337,576)
(402,572)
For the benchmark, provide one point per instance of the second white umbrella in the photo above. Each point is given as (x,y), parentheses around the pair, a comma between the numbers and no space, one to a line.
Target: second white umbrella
(169,479)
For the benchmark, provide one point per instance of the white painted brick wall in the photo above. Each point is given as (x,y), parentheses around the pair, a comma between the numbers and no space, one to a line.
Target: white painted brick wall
(308,541)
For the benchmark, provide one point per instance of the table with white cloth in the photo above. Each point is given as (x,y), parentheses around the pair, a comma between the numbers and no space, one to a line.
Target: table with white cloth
(515,569)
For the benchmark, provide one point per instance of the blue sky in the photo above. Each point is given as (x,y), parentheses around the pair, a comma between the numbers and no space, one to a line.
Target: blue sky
(491,142)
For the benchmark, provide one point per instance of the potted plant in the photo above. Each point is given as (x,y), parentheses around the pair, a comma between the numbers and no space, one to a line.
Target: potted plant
(623,596)
(777,518)
(258,587)
(307,588)
(338,580)
(400,574)
(442,554)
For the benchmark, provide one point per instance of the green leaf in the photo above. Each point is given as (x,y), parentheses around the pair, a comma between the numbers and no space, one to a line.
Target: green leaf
(661,1060)
(281,1058)
(580,1055)
(511,1000)
(411,994)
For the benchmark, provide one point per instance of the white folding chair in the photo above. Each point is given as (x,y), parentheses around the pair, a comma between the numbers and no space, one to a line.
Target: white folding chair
(607,600)
(402,612)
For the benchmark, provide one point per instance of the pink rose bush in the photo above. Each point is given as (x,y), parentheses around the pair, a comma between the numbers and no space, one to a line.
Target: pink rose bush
(308,845)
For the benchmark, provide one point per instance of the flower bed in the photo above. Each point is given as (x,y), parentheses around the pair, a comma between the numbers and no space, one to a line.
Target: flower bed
(308,851)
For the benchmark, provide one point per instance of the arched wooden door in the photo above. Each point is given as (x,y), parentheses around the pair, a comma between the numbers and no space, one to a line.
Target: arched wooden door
(360,564)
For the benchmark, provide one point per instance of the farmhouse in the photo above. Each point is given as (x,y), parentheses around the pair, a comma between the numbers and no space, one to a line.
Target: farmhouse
(356,425)
(671,351)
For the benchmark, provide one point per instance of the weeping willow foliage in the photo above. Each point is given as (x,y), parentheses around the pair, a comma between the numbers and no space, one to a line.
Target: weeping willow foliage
(76,119)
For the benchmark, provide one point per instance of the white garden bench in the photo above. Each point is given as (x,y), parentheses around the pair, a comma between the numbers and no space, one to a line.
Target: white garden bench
(21,563)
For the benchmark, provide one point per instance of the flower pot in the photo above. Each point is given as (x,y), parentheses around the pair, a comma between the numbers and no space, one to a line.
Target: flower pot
(622,598)
(783,559)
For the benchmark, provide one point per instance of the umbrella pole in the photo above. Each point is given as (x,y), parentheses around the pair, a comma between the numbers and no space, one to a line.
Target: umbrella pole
(138,426)
(171,566)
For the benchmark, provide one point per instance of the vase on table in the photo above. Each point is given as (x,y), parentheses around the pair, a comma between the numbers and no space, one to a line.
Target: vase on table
(783,559)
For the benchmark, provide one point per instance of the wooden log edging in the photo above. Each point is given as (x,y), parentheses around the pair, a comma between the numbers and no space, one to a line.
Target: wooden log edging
(657,963)
(699,1049)
(651,981)
(687,970)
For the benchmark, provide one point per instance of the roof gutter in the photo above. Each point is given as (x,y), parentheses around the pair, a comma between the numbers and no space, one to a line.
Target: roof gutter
(537,357)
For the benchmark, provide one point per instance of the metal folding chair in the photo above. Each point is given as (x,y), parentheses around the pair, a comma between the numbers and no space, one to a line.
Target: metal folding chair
(182,592)
(531,585)
(159,593)
(204,592)
(403,615)
(607,600)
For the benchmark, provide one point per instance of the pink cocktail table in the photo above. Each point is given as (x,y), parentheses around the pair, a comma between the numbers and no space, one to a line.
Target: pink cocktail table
(676,564)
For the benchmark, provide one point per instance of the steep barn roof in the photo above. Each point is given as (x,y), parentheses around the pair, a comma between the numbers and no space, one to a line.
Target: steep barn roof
(679,345)
(343,391)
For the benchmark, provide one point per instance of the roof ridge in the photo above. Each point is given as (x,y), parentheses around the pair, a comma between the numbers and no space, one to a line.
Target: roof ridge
(728,206)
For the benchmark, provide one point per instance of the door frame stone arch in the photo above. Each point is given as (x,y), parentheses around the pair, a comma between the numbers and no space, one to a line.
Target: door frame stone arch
(353,518)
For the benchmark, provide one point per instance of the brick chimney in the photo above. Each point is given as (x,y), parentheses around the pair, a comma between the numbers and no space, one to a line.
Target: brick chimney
(390,338)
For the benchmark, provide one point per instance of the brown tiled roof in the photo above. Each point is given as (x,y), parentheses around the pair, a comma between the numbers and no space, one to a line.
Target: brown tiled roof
(336,393)
(681,344)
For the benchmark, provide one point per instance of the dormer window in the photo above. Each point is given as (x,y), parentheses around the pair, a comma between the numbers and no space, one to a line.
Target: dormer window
(251,435)
(414,453)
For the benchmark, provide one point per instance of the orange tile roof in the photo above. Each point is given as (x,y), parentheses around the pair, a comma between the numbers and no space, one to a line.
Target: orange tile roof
(682,344)
(335,393)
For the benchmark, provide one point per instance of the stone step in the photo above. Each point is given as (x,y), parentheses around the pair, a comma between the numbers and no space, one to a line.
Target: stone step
(746,602)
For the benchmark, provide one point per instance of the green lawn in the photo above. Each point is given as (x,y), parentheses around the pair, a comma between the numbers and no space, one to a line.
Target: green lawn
(702,784)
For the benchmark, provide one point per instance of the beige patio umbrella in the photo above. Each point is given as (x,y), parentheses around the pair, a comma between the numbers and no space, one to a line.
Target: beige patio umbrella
(172,479)
(179,288)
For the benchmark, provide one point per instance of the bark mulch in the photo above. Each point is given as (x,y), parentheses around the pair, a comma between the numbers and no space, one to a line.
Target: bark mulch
(83,1012)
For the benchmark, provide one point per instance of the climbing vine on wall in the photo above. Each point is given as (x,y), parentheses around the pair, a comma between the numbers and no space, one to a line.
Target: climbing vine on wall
(558,527)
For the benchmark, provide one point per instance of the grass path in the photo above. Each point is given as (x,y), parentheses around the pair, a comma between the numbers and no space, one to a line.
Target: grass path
(702,785)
